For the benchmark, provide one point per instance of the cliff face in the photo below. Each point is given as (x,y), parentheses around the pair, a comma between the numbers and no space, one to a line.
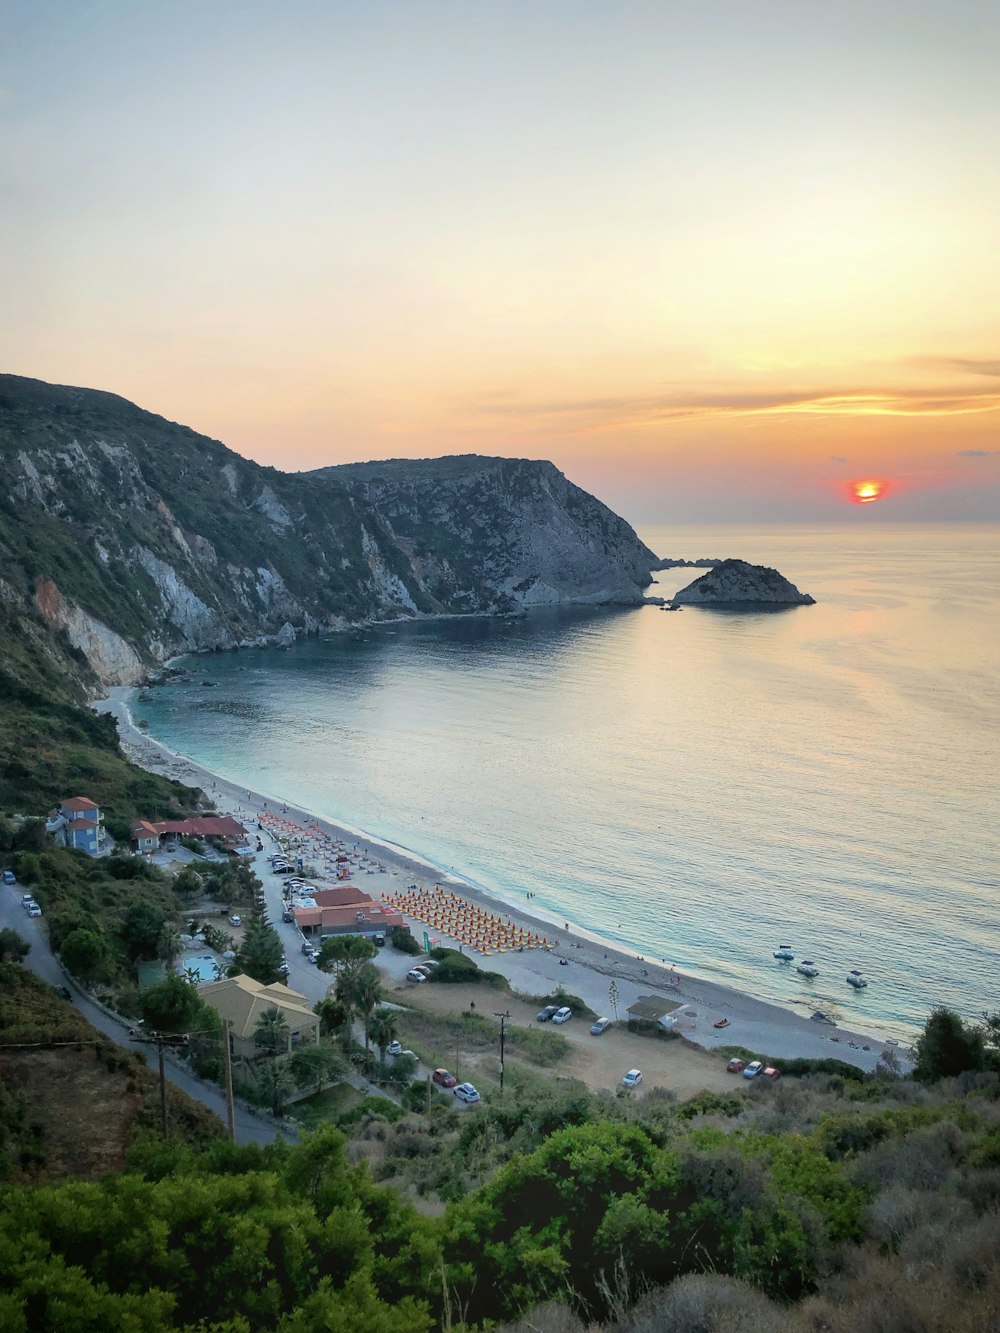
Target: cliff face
(736,583)
(478,528)
(136,539)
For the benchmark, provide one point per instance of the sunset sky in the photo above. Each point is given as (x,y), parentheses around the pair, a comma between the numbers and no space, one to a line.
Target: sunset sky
(717,259)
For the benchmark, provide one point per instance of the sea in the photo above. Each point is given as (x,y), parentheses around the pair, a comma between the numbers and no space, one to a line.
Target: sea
(697,787)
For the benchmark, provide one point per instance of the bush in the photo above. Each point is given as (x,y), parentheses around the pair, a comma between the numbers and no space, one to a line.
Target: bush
(458,968)
(401,938)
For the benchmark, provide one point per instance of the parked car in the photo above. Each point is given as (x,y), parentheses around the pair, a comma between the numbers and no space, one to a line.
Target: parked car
(379,940)
(308,949)
(562,1015)
(465,1092)
(414,975)
(422,967)
(34,910)
(633,1078)
(235,920)
(443,1079)
(27,898)
(8,877)
(771,1073)
(600,1026)
(394,1048)
(283,968)
(736,1065)
(548,1012)
(754,1068)
(288,915)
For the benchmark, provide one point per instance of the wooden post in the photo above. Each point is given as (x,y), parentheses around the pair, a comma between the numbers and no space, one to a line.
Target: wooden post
(227,1060)
(163,1090)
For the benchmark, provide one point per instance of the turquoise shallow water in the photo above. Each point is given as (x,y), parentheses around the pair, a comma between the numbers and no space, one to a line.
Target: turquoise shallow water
(696,786)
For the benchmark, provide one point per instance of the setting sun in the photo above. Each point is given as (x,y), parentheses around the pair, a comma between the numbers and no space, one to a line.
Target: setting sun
(864,492)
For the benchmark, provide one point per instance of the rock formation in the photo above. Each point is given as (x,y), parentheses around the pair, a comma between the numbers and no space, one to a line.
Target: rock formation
(133,539)
(736,583)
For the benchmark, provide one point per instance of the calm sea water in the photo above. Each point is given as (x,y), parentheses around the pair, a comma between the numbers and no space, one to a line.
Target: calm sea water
(697,786)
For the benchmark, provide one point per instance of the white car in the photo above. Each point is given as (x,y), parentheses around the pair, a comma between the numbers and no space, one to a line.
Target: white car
(562,1015)
(633,1078)
(235,920)
(414,975)
(34,910)
(465,1092)
(394,1048)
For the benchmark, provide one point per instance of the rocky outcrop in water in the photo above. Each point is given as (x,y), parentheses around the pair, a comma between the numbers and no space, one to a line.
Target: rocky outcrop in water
(134,539)
(736,583)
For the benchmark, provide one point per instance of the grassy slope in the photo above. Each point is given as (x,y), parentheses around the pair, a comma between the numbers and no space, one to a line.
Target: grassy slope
(74,1109)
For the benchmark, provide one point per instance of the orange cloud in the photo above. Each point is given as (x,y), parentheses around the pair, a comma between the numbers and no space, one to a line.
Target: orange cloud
(616,412)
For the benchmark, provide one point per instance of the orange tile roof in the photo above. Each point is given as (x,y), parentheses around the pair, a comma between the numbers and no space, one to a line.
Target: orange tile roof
(77,803)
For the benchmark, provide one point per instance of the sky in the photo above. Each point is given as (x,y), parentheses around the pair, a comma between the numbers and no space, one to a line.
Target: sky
(717,259)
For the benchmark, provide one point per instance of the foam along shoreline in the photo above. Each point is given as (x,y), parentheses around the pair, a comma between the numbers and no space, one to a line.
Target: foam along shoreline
(591,964)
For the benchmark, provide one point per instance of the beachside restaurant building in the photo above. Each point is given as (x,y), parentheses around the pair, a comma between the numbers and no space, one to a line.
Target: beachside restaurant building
(244,1001)
(345,911)
(221,831)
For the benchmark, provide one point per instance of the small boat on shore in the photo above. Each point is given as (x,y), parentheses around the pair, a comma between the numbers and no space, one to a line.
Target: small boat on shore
(807,968)
(855,979)
(785,953)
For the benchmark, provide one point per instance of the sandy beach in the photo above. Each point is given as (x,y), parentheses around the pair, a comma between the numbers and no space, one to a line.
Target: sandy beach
(577,959)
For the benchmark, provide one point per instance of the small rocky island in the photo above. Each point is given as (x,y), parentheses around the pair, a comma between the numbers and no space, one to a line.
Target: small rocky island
(735,583)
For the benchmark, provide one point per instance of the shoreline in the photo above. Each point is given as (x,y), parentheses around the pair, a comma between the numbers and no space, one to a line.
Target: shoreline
(591,962)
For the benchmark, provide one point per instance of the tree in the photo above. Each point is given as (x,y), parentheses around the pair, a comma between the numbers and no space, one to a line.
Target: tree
(188,883)
(12,947)
(381,1028)
(85,954)
(172,1005)
(359,990)
(315,1065)
(274,1081)
(332,1015)
(338,950)
(260,954)
(272,1032)
(946,1047)
(141,931)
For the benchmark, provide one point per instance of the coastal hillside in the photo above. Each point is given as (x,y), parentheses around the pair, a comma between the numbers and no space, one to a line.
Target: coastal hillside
(473,528)
(138,538)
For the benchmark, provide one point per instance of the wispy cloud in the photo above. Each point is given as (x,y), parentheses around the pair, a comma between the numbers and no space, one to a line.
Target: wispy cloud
(972,367)
(616,412)
(977,453)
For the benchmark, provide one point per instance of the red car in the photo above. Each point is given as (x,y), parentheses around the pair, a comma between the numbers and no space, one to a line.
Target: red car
(443,1079)
(736,1065)
(771,1073)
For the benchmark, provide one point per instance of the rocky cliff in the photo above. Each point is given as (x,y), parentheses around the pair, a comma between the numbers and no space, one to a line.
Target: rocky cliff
(736,583)
(134,538)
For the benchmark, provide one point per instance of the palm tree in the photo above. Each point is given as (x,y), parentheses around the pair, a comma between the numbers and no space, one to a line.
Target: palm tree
(359,990)
(275,1081)
(272,1031)
(381,1028)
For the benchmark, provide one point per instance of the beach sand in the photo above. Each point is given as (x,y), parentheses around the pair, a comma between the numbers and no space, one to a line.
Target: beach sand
(591,965)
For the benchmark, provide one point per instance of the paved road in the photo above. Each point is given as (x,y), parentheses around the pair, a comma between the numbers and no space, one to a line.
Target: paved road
(41,961)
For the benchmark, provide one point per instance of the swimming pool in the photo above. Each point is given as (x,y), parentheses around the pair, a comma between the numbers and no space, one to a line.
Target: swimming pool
(203,965)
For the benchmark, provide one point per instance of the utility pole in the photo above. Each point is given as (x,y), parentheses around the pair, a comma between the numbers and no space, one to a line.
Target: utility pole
(161,1040)
(227,1061)
(503,1032)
